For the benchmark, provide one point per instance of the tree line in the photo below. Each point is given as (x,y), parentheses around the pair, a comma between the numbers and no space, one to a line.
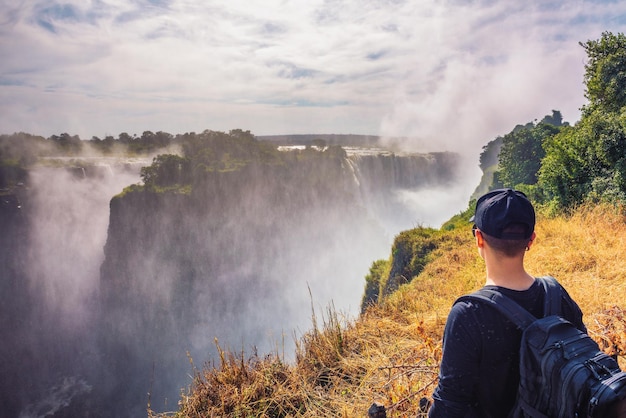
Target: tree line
(209,152)
(192,153)
(28,146)
(19,151)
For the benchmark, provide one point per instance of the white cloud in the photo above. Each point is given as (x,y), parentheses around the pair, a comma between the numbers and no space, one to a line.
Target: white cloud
(449,73)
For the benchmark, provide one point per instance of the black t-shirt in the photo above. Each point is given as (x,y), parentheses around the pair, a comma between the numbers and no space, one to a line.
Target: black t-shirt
(479,371)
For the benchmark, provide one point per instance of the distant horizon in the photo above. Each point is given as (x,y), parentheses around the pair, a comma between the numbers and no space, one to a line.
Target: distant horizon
(272,137)
(447,75)
(351,140)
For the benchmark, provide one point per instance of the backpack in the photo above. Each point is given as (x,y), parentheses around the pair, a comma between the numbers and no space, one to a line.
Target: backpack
(563,372)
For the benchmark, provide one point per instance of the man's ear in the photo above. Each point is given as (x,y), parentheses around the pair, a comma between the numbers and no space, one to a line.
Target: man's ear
(530,242)
(480,240)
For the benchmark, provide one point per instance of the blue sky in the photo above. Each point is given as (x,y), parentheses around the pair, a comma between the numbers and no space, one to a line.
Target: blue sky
(449,74)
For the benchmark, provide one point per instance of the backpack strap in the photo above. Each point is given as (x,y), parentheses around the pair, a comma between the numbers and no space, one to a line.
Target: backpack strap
(512,310)
(552,305)
(505,305)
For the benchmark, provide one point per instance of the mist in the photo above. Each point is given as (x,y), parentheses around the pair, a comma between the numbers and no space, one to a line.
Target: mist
(68,233)
(421,68)
(56,239)
(117,294)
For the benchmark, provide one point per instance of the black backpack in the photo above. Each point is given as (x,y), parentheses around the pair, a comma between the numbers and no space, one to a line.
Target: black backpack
(563,372)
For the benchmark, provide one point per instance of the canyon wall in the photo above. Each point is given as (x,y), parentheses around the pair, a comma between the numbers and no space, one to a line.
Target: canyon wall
(107,295)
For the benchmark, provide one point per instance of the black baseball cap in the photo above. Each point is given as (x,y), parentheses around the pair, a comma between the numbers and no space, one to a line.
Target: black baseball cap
(500,208)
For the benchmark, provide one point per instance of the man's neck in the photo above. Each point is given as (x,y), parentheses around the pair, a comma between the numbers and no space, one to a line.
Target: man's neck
(509,273)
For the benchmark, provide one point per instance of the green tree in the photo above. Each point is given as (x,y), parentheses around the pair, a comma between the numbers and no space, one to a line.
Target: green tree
(373,280)
(564,174)
(166,170)
(490,153)
(556,119)
(521,153)
(605,72)
(67,143)
(125,138)
(162,139)
(24,148)
(220,151)
(588,161)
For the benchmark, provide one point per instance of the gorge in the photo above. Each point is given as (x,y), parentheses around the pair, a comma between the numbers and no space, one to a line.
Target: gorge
(110,288)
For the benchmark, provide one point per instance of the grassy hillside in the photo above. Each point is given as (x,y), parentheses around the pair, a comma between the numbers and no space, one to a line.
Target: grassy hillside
(390,354)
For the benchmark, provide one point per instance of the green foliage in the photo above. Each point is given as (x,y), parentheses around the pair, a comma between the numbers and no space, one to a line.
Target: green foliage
(209,151)
(522,152)
(489,155)
(461,219)
(17,153)
(69,144)
(488,181)
(562,166)
(556,119)
(148,141)
(24,148)
(586,161)
(411,251)
(220,151)
(28,149)
(515,159)
(125,138)
(133,188)
(605,72)
(213,159)
(166,170)
(377,274)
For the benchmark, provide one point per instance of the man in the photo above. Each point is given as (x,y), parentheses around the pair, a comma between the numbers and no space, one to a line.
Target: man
(479,372)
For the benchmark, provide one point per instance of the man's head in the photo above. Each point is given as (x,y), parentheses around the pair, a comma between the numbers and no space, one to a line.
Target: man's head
(500,209)
(506,219)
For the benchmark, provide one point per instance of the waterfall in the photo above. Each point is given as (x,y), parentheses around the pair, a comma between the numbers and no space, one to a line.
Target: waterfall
(102,298)
(394,187)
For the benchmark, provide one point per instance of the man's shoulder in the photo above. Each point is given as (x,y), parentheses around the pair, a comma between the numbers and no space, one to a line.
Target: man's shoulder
(471,310)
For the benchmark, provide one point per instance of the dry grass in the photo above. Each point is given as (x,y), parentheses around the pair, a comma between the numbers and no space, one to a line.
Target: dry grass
(390,354)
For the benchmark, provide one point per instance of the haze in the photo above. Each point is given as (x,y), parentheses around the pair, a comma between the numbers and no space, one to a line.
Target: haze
(448,74)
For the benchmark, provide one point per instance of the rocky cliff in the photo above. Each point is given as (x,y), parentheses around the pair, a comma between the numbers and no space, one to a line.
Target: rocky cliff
(235,257)
(104,305)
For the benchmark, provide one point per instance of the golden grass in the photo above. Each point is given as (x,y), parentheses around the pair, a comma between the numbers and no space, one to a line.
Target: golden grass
(390,354)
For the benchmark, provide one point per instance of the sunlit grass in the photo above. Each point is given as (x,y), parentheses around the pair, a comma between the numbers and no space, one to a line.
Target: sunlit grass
(390,354)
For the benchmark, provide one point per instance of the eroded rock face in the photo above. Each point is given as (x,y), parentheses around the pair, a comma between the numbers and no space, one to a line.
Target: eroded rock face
(145,279)
(14,312)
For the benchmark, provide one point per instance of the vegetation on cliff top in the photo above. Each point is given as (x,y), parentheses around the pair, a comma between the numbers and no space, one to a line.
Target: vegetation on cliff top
(563,166)
(211,152)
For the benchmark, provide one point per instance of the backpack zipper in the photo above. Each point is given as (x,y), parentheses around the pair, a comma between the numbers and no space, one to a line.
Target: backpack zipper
(569,376)
(549,352)
(606,385)
(570,371)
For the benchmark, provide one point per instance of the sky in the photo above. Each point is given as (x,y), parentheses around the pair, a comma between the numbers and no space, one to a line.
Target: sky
(443,74)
